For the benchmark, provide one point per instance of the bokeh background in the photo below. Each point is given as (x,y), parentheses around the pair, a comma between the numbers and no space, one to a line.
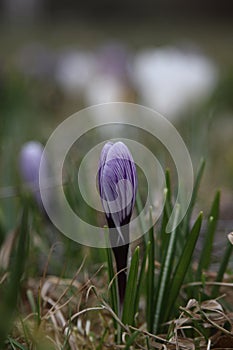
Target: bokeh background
(174,56)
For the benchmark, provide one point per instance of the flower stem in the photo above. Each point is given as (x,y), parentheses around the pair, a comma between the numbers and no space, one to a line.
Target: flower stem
(120,251)
(121,254)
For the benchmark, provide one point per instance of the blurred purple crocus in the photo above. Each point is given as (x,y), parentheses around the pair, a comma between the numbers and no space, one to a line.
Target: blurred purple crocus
(117,179)
(29,163)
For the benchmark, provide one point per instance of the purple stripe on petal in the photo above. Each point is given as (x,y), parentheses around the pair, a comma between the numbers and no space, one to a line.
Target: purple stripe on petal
(102,161)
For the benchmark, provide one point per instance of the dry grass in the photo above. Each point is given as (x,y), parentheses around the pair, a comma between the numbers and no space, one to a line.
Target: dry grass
(60,313)
(57,313)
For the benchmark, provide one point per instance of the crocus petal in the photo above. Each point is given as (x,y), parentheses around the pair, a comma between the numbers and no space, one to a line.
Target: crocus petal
(102,161)
(117,183)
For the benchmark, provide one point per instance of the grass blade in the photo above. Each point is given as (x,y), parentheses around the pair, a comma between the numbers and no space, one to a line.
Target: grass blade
(150,279)
(2,229)
(140,279)
(131,340)
(163,237)
(196,186)
(168,202)
(15,344)
(205,257)
(182,266)
(113,289)
(131,290)
(165,274)
(222,268)
(139,208)
(113,281)
(11,291)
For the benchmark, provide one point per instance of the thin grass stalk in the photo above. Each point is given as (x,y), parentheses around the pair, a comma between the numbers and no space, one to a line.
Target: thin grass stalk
(142,222)
(131,340)
(16,345)
(140,278)
(205,257)
(128,314)
(185,225)
(2,228)
(114,301)
(196,186)
(167,203)
(165,273)
(150,278)
(222,269)
(11,291)
(163,237)
(182,267)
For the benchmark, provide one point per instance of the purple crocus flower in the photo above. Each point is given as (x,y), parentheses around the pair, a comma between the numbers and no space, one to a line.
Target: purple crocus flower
(117,184)
(117,180)
(29,163)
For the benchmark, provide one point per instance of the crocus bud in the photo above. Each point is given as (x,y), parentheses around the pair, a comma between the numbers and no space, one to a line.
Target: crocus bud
(29,162)
(117,183)
(117,180)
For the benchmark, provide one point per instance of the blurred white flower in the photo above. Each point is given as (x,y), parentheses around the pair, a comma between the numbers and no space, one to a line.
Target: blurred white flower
(169,79)
(102,89)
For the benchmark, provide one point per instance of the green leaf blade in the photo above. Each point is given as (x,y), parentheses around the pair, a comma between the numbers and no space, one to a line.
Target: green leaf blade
(183,265)
(131,290)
